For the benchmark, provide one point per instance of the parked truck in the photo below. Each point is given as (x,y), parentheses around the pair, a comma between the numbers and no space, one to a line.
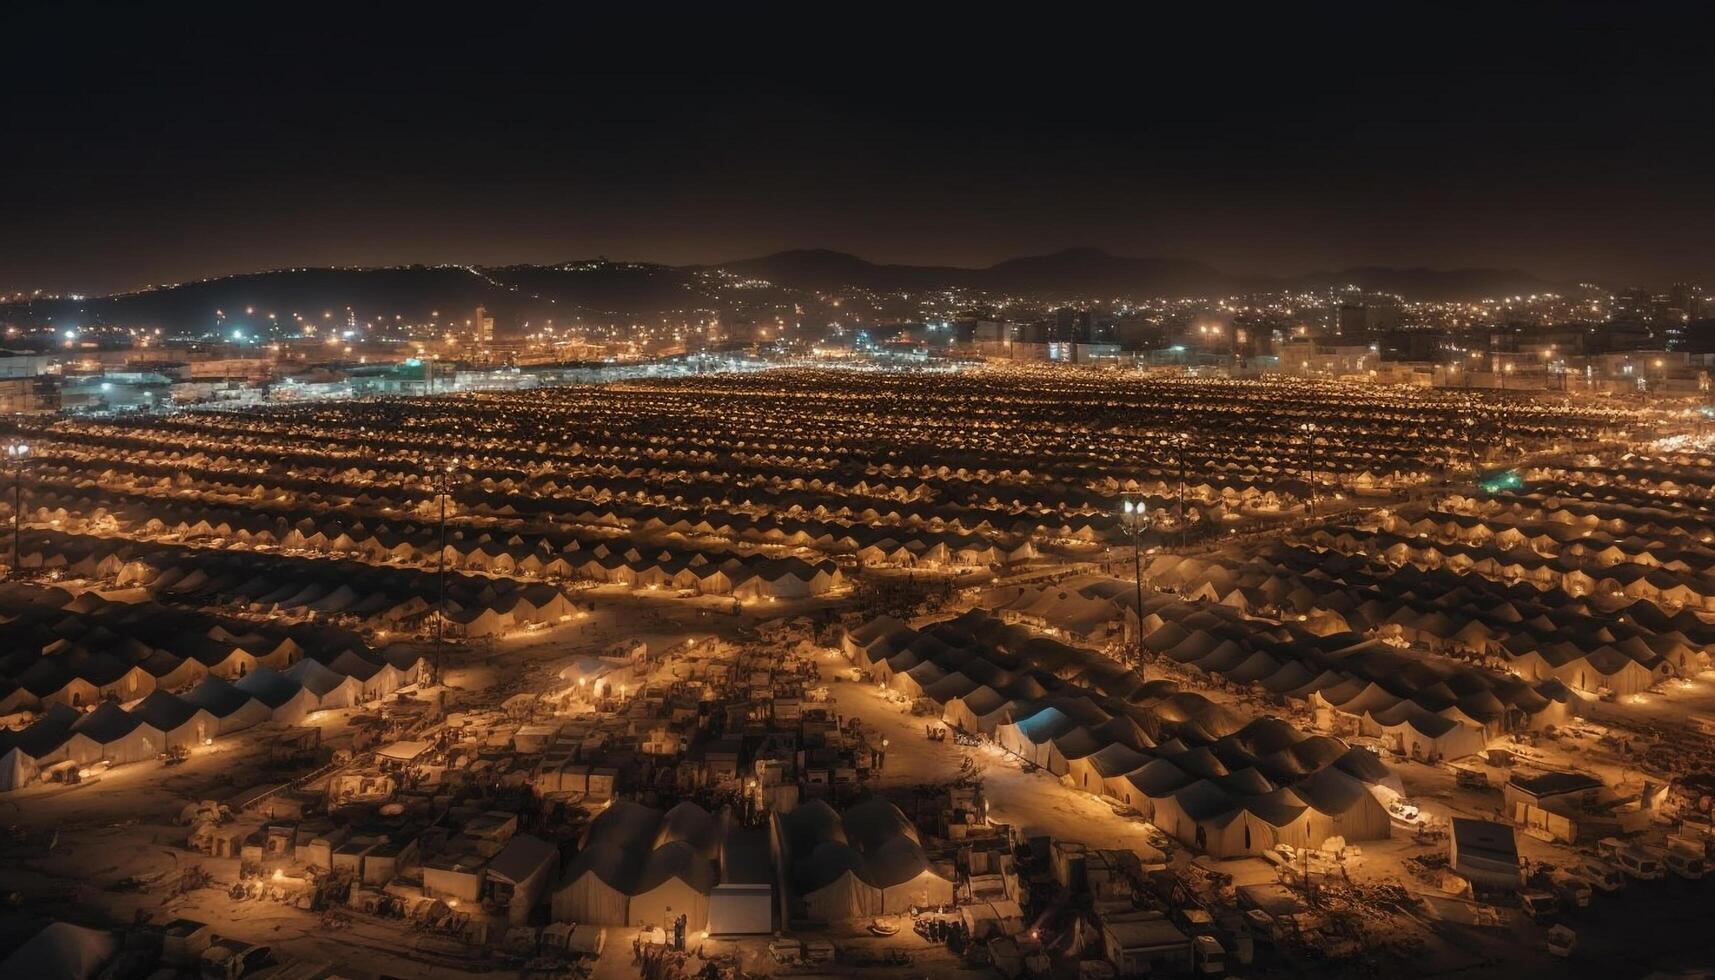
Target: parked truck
(1641,864)
(1684,858)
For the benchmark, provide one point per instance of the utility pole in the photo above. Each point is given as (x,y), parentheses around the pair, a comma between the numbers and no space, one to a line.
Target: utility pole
(1310,429)
(16,452)
(1470,425)
(1134,517)
(444,486)
(1178,441)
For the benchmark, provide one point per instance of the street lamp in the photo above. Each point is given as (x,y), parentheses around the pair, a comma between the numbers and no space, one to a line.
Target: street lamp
(1469,424)
(443,487)
(1135,519)
(1179,440)
(16,452)
(1310,429)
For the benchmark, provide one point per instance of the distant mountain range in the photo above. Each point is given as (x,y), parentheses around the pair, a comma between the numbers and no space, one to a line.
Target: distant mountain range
(633,291)
(1093,273)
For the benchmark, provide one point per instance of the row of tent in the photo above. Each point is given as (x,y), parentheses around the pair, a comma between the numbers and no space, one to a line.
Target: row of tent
(380,596)
(776,516)
(1578,533)
(1194,768)
(1623,643)
(1663,474)
(80,650)
(1588,641)
(1567,489)
(1560,569)
(1429,707)
(639,866)
(164,722)
(714,573)
(76,506)
(64,491)
(834,524)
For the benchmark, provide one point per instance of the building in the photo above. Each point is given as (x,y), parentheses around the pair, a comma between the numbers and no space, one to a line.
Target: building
(1138,944)
(1485,855)
(520,875)
(1687,299)
(1414,345)
(27,394)
(1561,792)
(17,365)
(1315,357)
(482,326)
(1633,306)
(116,392)
(1362,321)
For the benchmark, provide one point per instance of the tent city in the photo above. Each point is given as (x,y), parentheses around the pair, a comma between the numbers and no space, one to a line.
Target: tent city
(385,595)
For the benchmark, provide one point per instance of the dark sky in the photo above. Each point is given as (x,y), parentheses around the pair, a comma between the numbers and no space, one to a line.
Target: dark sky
(1572,141)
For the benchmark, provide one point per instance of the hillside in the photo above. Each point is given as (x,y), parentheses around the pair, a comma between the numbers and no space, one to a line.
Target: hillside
(606,291)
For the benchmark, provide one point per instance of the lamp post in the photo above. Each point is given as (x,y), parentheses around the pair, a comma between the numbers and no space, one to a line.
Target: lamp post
(1469,424)
(1310,429)
(1134,518)
(1178,441)
(443,487)
(16,452)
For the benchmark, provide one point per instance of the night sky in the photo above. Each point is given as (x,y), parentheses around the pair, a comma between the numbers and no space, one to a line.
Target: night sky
(1573,142)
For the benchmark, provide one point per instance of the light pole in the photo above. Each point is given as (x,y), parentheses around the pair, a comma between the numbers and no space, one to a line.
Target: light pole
(1469,424)
(16,452)
(443,486)
(1134,517)
(1178,442)
(1310,429)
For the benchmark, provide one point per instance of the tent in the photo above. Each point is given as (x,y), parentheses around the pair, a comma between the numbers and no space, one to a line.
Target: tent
(182,724)
(61,951)
(111,733)
(523,870)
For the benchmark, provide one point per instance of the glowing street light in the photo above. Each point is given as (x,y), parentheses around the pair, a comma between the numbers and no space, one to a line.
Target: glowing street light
(443,487)
(1310,429)
(1135,519)
(17,451)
